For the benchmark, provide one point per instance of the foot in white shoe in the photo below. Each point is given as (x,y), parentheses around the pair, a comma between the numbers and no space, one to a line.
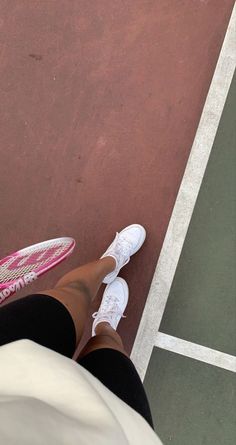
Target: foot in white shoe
(125,244)
(112,307)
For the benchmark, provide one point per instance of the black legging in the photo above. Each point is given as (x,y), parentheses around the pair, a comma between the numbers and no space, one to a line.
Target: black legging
(46,321)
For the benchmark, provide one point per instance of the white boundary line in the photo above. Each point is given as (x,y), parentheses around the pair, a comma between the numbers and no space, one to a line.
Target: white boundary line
(195,351)
(185,202)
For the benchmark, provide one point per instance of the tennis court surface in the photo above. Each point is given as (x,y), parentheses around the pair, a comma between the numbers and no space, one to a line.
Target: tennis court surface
(100,104)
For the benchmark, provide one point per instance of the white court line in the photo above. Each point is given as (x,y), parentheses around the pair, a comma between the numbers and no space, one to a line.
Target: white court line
(195,351)
(185,202)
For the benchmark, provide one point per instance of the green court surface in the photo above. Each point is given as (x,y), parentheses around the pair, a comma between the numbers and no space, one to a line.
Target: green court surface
(201,306)
(193,403)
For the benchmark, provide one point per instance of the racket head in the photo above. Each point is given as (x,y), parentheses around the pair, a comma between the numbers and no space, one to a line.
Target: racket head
(25,265)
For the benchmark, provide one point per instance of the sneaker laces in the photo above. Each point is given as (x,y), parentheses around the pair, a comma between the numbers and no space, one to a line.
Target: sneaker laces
(109,312)
(123,248)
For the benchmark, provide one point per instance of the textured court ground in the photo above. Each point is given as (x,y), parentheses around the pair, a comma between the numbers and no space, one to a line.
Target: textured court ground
(99,106)
(194,402)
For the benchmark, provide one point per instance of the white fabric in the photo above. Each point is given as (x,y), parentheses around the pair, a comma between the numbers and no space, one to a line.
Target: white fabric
(46,398)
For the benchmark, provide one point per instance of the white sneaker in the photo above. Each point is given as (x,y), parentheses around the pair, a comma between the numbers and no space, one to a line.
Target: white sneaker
(125,244)
(114,302)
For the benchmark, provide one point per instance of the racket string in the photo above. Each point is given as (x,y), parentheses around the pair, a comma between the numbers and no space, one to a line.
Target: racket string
(46,256)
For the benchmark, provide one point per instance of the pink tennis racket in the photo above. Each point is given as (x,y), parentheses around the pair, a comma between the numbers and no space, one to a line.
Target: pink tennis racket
(25,266)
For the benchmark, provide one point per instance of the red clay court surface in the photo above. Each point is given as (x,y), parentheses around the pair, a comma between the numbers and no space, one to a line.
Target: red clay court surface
(100,102)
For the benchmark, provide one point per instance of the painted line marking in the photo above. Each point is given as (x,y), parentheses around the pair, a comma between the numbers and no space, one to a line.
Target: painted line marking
(185,202)
(195,351)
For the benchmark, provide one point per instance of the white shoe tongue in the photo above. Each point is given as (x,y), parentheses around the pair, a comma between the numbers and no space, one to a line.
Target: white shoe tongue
(124,248)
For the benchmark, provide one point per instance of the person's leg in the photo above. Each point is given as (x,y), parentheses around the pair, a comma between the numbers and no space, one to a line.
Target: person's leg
(106,337)
(55,318)
(78,288)
(104,354)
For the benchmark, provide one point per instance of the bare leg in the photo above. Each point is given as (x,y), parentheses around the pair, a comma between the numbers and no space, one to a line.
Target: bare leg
(79,287)
(106,337)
